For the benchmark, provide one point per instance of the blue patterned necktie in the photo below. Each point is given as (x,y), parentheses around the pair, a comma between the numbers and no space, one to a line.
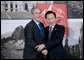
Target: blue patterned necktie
(40,29)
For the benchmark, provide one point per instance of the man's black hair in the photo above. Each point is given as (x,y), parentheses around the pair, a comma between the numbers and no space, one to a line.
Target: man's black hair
(49,12)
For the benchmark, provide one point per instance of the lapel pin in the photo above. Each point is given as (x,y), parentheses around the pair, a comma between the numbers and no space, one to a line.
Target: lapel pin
(55,29)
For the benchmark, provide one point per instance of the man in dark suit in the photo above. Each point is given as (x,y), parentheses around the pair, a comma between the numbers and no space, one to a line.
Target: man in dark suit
(54,34)
(34,35)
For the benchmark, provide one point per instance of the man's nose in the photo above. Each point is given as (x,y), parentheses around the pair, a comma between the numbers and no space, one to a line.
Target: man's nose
(38,14)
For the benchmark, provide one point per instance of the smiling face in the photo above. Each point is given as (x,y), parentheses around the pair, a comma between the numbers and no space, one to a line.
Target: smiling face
(51,19)
(36,14)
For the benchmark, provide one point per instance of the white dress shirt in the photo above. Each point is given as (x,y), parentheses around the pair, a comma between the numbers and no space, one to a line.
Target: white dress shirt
(52,27)
(36,22)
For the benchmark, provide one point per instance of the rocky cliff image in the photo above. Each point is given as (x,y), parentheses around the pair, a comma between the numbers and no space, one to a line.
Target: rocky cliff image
(12,47)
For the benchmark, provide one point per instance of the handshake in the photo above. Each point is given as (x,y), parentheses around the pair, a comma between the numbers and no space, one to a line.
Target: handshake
(41,48)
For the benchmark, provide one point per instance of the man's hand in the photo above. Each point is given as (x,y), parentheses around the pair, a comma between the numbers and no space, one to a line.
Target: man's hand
(45,52)
(40,47)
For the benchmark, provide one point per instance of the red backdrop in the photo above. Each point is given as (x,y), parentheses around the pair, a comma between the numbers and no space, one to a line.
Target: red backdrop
(61,14)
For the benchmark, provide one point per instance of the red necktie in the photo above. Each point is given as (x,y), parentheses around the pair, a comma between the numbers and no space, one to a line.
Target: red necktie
(50,33)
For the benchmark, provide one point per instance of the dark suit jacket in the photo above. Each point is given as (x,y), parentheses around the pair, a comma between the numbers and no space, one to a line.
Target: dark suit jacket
(32,39)
(54,45)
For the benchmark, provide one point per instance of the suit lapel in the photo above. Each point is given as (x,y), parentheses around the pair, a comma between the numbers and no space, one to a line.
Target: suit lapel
(53,32)
(47,33)
(38,30)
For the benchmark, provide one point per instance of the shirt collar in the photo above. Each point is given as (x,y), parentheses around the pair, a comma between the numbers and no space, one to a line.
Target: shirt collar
(52,27)
(36,21)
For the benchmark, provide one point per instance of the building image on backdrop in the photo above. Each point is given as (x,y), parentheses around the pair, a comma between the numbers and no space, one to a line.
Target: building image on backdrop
(16,14)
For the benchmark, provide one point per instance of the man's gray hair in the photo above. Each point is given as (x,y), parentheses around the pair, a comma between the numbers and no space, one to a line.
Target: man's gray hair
(34,8)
